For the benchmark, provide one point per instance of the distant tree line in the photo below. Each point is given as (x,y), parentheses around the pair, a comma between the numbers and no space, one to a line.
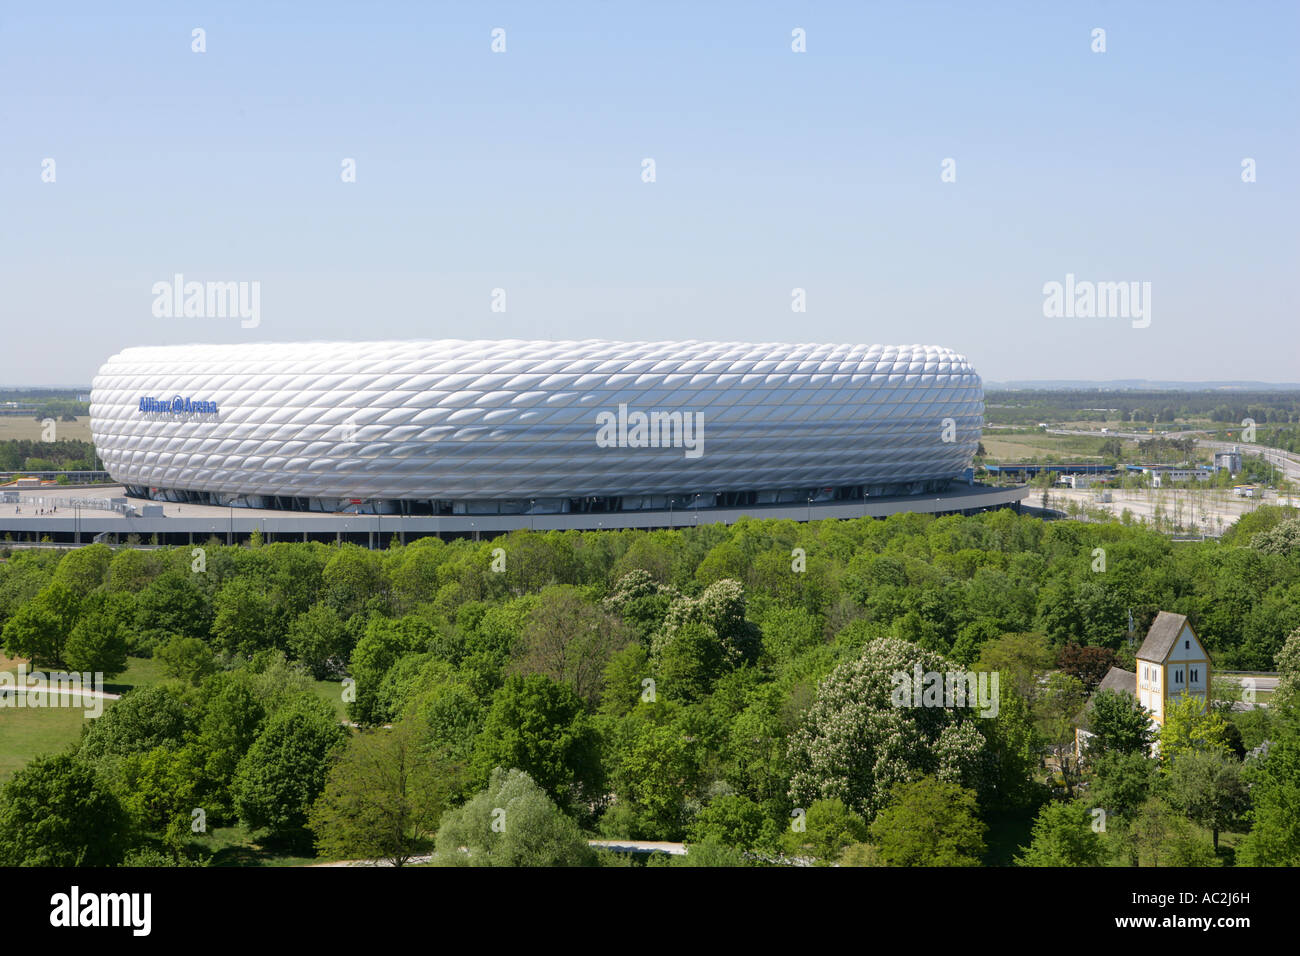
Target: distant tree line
(1030,406)
(21,454)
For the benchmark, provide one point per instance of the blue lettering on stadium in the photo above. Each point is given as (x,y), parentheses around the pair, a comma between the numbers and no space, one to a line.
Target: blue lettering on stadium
(177,405)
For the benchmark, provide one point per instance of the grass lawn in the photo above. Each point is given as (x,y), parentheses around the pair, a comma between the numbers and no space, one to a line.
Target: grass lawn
(999,447)
(26,732)
(331,691)
(140,672)
(235,846)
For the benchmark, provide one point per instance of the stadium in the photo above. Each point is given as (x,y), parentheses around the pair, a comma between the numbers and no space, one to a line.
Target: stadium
(457,427)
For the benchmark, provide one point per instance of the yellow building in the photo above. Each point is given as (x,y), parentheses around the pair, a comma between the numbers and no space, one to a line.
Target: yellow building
(1171,662)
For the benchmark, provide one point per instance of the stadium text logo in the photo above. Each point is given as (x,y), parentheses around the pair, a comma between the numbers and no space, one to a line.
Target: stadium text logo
(651,430)
(176,405)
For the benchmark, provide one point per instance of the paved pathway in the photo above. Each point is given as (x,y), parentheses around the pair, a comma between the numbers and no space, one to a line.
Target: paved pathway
(623,846)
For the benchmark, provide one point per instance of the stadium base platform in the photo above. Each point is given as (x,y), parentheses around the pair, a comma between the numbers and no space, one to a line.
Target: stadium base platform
(145,522)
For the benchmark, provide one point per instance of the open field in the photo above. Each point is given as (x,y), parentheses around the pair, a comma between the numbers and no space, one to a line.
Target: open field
(1008,447)
(993,417)
(331,691)
(24,426)
(26,732)
(140,672)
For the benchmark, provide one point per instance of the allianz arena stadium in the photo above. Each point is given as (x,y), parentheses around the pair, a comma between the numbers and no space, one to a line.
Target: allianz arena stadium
(513,427)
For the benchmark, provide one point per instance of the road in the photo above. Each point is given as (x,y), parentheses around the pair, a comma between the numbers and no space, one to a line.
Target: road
(623,846)
(57,690)
(1264,683)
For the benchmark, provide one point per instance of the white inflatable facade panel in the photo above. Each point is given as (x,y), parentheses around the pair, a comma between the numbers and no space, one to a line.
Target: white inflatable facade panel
(489,420)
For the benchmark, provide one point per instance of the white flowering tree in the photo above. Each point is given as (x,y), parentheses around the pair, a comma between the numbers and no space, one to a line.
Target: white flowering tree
(856,743)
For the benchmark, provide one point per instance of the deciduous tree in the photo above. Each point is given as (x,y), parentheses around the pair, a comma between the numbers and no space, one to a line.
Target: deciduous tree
(383,797)
(1063,835)
(511,823)
(929,823)
(55,812)
(284,770)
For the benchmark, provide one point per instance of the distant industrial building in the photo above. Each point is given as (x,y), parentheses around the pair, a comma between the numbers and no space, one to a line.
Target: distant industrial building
(1159,474)
(1229,461)
(1082,481)
(1025,471)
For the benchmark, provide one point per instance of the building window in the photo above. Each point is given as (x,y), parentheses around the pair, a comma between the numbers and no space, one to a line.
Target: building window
(1187,645)
(1178,676)
(1194,678)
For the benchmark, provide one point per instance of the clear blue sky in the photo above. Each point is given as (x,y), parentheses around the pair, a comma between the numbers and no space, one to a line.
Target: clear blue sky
(775,170)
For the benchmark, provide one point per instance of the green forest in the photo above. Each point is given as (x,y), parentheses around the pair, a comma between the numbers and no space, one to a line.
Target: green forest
(505,702)
(64,455)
